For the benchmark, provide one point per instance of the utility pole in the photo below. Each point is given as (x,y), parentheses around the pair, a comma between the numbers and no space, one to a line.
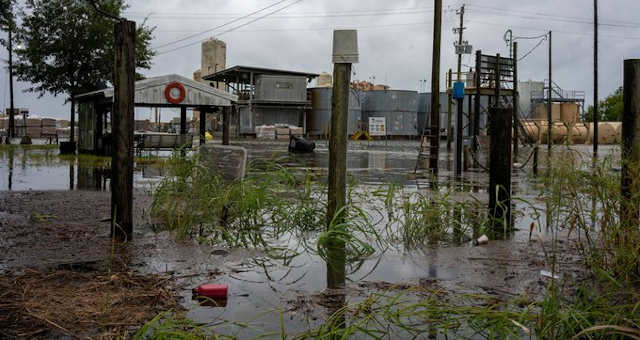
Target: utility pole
(549,102)
(435,89)
(460,100)
(630,216)
(516,101)
(595,78)
(12,120)
(449,108)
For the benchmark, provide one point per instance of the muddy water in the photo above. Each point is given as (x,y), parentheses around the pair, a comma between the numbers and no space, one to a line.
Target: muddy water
(262,288)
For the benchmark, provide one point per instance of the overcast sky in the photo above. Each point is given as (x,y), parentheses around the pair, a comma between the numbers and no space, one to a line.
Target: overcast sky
(395,38)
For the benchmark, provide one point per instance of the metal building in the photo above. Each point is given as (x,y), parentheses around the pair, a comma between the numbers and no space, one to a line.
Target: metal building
(266,96)
(399,108)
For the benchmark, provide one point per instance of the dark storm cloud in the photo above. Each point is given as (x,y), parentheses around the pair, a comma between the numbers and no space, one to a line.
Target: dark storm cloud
(395,48)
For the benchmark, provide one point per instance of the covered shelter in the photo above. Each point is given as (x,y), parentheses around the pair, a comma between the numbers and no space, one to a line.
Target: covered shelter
(266,96)
(172,91)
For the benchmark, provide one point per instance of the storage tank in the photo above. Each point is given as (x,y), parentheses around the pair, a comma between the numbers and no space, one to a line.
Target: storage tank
(399,108)
(618,128)
(532,130)
(569,113)
(543,128)
(579,134)
(606,133)
(325,80)
(559,133)
(319,119)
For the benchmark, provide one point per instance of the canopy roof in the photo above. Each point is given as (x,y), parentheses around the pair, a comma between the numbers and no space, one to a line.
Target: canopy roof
(242,74)
(151,92)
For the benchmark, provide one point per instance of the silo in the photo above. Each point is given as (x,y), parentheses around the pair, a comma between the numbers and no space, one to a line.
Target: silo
(399,108)
(319,119)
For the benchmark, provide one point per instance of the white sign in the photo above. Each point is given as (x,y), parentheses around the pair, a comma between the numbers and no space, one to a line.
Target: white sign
(377,126)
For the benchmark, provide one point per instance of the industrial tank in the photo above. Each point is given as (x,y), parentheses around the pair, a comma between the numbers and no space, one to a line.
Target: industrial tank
(532,130)
(559,133)
(319,119)
(607,133)
(579,134)
(399,108)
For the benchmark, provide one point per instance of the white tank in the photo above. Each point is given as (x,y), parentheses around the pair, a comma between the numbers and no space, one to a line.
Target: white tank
(325,80)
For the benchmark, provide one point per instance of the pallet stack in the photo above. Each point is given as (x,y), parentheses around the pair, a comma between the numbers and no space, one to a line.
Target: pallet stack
(48,127)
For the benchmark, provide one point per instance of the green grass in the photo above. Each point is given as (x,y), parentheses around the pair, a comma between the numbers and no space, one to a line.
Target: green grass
(582,199)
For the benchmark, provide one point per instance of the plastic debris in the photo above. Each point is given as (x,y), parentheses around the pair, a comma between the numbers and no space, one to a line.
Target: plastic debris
(546,273)
(484,239)
(213,291)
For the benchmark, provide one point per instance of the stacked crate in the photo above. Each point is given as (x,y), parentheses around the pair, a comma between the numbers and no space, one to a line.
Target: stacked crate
(282,133)
(49,127)
(34,128)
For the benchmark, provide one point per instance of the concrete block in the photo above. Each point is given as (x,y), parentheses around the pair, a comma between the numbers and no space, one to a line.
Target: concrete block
(228,161)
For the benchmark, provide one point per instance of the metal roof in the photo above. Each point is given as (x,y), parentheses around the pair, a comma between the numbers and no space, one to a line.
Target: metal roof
(150,92)
(242,73)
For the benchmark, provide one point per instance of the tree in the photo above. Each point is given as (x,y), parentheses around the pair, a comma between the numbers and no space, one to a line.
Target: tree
(67,46)
(610,108)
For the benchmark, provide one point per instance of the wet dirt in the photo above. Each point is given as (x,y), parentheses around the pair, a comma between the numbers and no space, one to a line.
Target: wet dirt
(51,228)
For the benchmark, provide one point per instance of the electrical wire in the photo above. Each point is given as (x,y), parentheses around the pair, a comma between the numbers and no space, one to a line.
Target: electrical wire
(221,26)
(533,49)
(234,28)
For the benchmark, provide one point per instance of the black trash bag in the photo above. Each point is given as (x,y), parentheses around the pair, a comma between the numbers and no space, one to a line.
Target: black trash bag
(300,145)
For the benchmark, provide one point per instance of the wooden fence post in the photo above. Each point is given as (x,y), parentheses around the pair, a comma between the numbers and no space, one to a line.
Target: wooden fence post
(123,119)
(500,123)
(631,144)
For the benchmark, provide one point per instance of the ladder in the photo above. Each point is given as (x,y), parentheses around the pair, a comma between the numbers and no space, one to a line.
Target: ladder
(426,148)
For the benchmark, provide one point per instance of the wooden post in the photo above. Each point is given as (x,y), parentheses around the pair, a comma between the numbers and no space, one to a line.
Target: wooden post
(549,103)
(183,120)
(631,144)
(72,122)
(476,110)
(498,81)
(595,78)
(449,109)
(500,168)
(459,137)
(12,121)
(123,118)
(516,102)
(338,161)
(435,89)
(203,126)
(226,122)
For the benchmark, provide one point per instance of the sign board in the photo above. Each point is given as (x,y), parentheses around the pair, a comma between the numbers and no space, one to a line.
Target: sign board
(377,126)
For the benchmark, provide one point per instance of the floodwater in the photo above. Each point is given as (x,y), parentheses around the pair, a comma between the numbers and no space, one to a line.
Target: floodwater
(263,289)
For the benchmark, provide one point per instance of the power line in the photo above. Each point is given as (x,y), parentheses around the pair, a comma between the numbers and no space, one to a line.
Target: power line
(533,49)
(221,26)
(292,16)
(236,27)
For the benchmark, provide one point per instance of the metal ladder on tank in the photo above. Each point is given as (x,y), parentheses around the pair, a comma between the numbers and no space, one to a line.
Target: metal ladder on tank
(424,154)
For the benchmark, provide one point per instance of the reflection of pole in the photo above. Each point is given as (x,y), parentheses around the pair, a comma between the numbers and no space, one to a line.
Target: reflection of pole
(122,130)
(226,122)
(630,142)
(11,155)
(435,89)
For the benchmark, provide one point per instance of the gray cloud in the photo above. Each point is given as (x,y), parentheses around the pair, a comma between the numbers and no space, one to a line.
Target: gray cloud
(395,48)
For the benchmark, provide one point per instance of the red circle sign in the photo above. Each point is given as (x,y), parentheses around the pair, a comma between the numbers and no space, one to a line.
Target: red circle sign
(175,100)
